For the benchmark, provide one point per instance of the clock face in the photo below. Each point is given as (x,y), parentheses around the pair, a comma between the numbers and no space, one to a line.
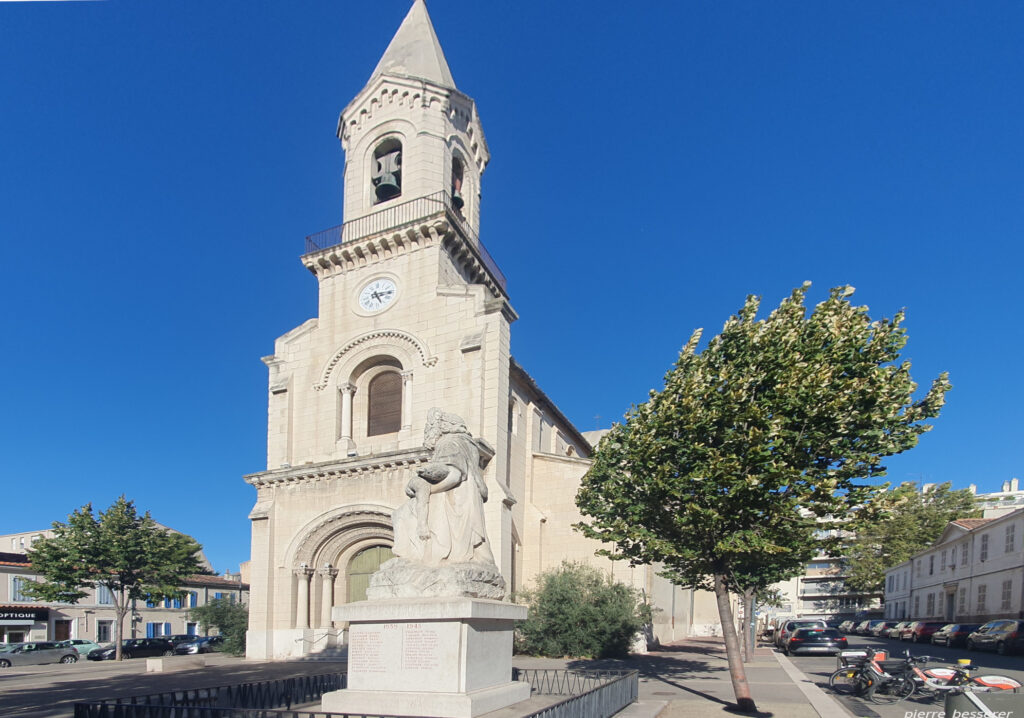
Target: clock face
(377,295)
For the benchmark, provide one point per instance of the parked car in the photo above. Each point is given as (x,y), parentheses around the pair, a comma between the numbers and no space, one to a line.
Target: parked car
(135,648)
(201,644)
(815,640)
(1002,636)
(894,630)
(921,631)
(860,628)
(954,634)
(81,645)
(880,629)
(847,626)
(786,630)
(36,653)
(179,638)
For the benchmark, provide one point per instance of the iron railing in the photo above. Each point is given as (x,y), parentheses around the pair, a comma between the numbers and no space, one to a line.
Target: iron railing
(591,694)
(278,693)
(399,216)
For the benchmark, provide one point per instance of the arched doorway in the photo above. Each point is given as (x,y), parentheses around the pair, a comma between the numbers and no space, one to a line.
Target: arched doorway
(363,565)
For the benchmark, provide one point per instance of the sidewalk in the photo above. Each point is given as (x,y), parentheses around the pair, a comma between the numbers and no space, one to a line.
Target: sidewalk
(691,678)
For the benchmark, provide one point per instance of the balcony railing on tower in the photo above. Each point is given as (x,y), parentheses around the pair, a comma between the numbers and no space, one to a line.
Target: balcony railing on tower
(437,205)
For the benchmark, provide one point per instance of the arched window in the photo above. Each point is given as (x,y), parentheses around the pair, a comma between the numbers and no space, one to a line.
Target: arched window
(385,404)
(386,172)
(363,565)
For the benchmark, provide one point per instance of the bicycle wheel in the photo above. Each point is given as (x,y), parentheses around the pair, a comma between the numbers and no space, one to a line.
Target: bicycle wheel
(892,691)
(844,681)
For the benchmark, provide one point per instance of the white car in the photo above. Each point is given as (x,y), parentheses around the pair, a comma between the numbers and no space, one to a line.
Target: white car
(83,646)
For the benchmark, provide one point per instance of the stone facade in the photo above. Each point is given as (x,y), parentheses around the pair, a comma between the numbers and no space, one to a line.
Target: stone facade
(406,292)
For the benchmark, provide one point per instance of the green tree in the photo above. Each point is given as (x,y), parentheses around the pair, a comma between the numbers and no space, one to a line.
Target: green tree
(132,555)
(904,521)
(778,422)
(231,620)
(576,610)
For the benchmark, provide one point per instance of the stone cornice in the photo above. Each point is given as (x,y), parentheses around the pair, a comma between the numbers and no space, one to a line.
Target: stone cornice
(327,470)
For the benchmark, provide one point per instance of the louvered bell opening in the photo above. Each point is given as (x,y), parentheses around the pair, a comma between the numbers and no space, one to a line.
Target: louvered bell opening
(385,399)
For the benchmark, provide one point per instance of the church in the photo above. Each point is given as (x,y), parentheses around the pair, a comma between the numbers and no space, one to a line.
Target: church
(413,314)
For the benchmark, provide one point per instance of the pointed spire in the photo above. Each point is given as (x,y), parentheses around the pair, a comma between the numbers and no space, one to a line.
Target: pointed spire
(415,52)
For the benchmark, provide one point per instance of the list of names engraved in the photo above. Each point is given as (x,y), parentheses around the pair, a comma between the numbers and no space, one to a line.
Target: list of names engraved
(366,652)
(420,647)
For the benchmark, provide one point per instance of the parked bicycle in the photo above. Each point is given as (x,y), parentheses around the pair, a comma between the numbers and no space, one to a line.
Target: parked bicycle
(885,681)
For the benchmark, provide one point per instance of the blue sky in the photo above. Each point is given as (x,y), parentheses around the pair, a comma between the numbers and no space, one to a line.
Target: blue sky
(652,164)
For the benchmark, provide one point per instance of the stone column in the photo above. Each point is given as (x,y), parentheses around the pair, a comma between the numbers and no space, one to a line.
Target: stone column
(302,598)
(327,575)
(407,399)
(347,390)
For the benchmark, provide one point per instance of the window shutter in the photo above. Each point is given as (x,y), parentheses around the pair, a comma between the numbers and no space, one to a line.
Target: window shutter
(385,400)
(150,630)
(167,629)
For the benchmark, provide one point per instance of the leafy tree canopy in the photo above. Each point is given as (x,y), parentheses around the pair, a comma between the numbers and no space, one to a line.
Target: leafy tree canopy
(902,522)
(131,555)
(778,422)
(231,620)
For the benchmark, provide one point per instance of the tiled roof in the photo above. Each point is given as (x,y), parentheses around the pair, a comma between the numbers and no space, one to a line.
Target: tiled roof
(971,523)
(218,581)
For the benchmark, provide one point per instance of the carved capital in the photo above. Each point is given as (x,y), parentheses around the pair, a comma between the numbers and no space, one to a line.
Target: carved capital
(327,571)
(303,572)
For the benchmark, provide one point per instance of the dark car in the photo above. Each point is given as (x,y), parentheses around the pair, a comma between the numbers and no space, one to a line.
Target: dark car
(201,644)
(815,640)
(1002,636)
(787,628)
(953,634)
(921,631)
(179,638)
(135,648)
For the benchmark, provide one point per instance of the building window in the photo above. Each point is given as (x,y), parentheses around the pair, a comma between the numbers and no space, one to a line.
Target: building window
(963,554)
(1010,530)
(983,555)
(917,605)
(942,563)
(889,581)
(458,200)
(1007,590)
(930,603)
(193,599)
(963,601)
(931,566)
(917,568)
(103,631)
(982,589)
(104,596)
(386,173)
(385,404)
(18,584)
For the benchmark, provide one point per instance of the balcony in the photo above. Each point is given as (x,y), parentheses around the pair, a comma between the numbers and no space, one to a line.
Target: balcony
(400,216)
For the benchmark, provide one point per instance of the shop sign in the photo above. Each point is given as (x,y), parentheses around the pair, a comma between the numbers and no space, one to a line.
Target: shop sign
(21,616)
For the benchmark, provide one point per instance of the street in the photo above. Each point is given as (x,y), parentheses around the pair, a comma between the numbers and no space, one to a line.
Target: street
(818,668)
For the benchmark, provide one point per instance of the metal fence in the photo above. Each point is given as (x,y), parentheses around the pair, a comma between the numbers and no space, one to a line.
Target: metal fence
(399,216)
(279,693)
(591,694)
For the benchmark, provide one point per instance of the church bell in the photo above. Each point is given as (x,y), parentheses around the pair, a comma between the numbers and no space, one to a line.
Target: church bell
(387,176)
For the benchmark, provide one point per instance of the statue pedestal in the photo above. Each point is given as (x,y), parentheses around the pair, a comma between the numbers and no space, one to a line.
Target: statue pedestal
(439,657)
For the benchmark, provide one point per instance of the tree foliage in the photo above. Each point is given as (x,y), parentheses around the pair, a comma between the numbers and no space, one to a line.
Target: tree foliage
(231,620)
(723,475)
(903,522)
(576,610)
(132,555)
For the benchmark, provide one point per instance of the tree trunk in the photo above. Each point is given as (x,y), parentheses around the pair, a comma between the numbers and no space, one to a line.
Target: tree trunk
(740,687)
(119,614)
(749,637)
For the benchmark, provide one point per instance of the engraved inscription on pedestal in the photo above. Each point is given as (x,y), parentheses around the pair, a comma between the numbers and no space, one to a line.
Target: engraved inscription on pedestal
(420,647)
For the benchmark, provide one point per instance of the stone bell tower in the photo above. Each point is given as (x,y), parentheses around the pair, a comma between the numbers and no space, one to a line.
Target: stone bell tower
(412,314)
